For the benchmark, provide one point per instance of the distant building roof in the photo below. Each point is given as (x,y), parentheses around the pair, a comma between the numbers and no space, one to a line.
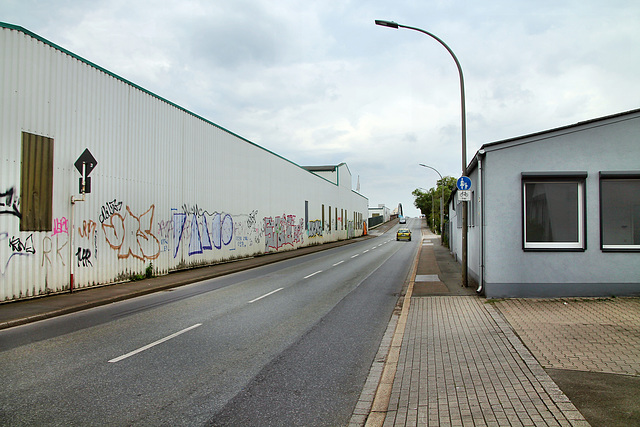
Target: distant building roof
(328,168)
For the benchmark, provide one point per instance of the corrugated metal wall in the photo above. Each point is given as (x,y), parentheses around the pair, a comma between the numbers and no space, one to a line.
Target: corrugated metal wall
(170,188)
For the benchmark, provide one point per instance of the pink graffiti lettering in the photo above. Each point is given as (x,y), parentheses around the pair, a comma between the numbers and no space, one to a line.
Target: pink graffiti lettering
(60,225)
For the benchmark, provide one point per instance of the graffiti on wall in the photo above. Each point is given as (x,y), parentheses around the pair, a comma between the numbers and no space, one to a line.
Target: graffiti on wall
(108,209)
(48,249)
(165,232)
(315,228)
(60,225)
(87,230)
(200,230)
(281,231)
(59,229)
(84,257)
(10,203)
(131,236)
(247,231)
(15,247)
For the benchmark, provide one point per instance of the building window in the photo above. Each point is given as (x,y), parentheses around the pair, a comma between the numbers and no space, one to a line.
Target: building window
(553,211)
(620,211)
(36,183)
(306,215)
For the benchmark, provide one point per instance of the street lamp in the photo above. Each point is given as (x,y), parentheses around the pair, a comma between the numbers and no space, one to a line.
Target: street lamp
(465,228)
(441,198)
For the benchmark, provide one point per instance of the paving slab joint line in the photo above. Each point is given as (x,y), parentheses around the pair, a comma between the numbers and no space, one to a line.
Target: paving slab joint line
(382,396)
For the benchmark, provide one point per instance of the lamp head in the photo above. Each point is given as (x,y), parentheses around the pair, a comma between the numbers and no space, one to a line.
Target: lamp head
(389,24)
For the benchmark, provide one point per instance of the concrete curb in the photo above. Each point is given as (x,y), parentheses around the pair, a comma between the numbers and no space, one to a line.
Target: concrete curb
(380,403)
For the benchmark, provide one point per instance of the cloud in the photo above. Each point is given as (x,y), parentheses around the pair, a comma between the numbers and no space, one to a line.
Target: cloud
(319,83)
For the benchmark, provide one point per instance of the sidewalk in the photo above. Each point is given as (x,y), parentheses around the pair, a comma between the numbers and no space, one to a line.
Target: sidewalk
(456,359)
(459,363)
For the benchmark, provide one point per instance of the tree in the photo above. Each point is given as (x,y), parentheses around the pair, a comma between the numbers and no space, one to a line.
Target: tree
(428,201)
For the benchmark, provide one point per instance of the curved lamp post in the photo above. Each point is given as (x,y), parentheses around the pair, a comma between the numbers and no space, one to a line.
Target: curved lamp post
(441,198)
(465,228)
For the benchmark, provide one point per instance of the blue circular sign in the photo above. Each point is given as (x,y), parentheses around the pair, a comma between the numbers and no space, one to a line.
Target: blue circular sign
(464,183)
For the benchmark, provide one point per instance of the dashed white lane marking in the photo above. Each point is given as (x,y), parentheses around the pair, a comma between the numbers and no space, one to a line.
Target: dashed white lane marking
(338,263)
(353,256)
(313,274)
(153,344)
(265,295)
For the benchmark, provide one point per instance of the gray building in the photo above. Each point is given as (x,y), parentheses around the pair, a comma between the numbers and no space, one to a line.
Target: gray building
(379,215)
(555,213)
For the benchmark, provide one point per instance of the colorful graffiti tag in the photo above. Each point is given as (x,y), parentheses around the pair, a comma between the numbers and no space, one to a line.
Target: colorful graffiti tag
(281,231)
(203,231)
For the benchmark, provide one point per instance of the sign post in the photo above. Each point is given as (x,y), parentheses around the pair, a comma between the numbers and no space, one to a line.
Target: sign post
(464,195)
(85,164)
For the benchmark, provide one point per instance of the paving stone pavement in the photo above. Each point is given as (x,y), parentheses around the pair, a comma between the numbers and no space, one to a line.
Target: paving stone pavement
(585,334)
(454,360)
(462,365)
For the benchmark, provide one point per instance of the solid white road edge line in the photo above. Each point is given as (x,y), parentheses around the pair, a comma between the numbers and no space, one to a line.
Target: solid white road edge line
(265,295)
(153,344)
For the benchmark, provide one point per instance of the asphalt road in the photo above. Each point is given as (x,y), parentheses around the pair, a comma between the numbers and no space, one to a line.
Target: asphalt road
(290,343)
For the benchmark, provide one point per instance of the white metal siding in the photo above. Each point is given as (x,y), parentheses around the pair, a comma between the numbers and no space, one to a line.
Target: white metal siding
(170,188)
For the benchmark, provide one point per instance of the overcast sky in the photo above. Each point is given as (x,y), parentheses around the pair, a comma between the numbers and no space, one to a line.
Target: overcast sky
(318,83)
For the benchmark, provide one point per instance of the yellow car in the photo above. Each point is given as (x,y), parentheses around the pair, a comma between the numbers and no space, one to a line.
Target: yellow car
(403,234)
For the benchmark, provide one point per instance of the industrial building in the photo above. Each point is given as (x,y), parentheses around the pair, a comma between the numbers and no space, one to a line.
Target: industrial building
(102,180)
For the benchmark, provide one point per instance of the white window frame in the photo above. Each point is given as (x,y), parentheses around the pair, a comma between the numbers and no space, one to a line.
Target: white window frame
(556,178)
